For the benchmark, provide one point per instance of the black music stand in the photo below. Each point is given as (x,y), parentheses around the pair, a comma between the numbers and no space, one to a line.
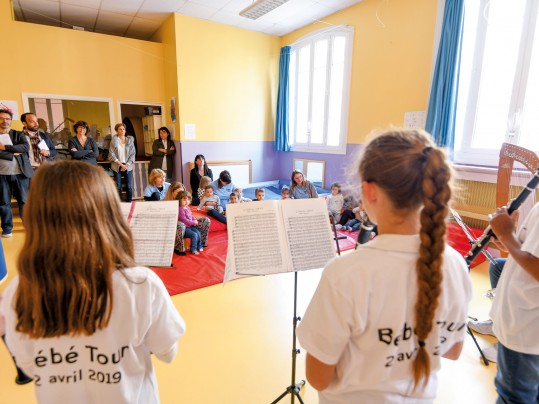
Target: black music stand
(294,387)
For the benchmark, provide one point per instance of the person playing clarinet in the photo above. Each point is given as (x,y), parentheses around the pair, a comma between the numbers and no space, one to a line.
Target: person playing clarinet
(515,310)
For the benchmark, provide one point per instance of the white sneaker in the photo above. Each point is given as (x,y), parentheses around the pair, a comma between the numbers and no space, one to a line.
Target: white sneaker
(338,226)
(491,353)
(6,235)
(482,327)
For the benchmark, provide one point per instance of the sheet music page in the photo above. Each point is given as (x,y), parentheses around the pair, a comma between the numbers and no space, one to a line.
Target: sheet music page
(153,225)
(42,145)
(255,240)
(308,233)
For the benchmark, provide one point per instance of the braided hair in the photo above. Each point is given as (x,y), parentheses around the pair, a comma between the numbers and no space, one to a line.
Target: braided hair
(417,176)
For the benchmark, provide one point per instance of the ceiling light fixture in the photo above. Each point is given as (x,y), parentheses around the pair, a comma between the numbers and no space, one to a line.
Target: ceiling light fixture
(261,7)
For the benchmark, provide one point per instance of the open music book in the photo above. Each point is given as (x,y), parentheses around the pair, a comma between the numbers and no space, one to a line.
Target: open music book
(278,236)
(153,225)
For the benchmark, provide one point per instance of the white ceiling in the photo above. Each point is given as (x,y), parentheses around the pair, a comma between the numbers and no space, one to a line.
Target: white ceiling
(141,18)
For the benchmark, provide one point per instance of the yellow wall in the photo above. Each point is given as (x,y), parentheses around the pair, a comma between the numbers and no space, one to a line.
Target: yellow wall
(167,36)
(51,60)
(227,80)
(392,60)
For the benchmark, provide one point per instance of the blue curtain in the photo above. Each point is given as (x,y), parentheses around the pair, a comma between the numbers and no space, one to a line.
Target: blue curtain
(443,97)
(281,121)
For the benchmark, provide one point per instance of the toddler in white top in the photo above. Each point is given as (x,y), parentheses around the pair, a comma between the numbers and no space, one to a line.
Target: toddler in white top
(335,202)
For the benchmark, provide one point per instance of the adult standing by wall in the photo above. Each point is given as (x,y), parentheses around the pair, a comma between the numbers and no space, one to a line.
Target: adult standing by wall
(15,170)
(81,146)
(35,136)
(200,170)
(163,152)
(300,187)
(122,154)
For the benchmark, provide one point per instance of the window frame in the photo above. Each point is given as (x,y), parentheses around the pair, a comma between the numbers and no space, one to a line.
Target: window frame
(467,107)
(323,34)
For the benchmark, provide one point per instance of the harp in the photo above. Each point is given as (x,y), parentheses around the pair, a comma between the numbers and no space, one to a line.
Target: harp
(508,155)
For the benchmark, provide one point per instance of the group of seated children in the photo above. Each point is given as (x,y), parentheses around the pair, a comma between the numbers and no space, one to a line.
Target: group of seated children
(345,212)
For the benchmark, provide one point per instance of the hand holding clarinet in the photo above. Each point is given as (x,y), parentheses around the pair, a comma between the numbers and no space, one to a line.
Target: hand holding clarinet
(485,238)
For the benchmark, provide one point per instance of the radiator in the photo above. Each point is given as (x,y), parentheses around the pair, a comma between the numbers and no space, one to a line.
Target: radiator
(475,200)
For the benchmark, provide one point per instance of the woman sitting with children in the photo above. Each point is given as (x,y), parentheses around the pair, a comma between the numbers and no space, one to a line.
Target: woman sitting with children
(301,188)
(157,188)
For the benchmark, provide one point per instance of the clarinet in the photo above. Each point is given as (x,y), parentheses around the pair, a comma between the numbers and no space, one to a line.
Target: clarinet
(479,244)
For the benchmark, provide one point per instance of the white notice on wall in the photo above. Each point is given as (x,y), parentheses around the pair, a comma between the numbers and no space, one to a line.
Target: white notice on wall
(415,119)
(190,131)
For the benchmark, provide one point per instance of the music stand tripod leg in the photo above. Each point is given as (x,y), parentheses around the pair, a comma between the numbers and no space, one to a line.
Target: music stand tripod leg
(483,357)
(294,388)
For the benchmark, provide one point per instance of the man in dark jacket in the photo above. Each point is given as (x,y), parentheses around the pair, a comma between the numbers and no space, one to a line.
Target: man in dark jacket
(41,147)
(15,170)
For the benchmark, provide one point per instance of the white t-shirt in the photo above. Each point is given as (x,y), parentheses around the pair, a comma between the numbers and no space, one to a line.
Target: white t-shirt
(361,319)
(113,365)
(515,310)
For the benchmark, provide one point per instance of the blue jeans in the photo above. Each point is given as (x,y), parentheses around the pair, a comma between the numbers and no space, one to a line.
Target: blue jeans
(517,380)
(216,215)
(495,271)
(354,224)
(16,185)
(196,241)
(128,175)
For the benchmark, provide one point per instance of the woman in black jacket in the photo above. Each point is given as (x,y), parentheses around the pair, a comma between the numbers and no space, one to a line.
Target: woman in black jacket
(163,153)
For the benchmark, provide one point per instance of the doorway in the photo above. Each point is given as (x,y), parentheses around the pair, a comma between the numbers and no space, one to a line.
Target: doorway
(132,114)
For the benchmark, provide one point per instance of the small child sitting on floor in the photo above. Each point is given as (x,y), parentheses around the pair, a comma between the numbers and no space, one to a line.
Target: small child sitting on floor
(204,182)
(355,224)
(335,202)
(260,193)
(239,192)
(209,201)
(186,217)
(285,193)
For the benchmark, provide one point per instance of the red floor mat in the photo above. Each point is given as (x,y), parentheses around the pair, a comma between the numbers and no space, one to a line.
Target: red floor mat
(192,272)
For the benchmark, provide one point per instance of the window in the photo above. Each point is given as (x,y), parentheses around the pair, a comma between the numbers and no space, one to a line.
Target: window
(319,74)
(498,95)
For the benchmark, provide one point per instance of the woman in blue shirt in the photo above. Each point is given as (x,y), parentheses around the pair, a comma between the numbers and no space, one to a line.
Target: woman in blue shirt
(300,188)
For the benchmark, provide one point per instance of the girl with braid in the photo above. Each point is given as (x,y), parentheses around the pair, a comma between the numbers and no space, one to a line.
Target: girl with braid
(383,315)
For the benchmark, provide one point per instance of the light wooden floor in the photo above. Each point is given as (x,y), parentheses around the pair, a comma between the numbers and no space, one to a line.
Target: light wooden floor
(238,345)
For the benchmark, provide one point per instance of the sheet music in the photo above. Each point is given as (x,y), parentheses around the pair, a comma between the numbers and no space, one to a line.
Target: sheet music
(277,236)
(308,233)
(153,225)
(254,239)
(42,145)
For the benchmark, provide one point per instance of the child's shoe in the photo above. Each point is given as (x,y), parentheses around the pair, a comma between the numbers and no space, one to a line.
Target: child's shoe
(178,252)
(338,227)
(194,252)
(200,249)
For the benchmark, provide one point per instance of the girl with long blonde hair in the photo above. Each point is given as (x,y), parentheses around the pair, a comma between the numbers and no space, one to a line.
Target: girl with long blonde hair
(82,318)
(383,315)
